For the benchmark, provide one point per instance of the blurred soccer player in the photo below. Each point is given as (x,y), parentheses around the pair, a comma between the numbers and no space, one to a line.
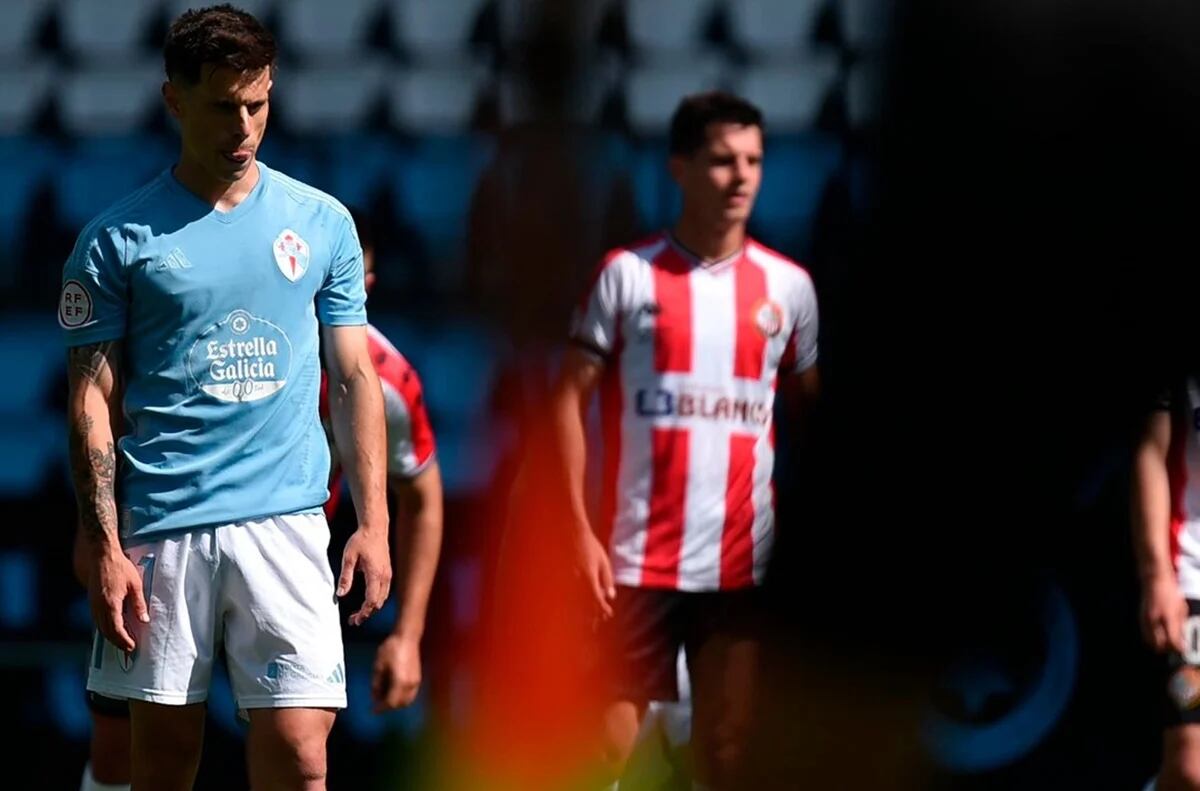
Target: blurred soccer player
(415,481)
(1166,533)
(202,293)
(686,334)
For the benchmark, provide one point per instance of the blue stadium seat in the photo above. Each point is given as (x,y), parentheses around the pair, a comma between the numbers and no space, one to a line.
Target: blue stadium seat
(864,92)
(456,363)
(361,166)
(20,21)
(39,441)
(259,8)
(667,29)
(320,29)
(656,197)
(790,95)
(433,190)
(31,344)
(110,30)
(436,100)
(26,162)
(95,173)
(110,100)
(585,99)
(795,174)
(653,92)
(298,159)
(321,100)
(434,31)
(774,29)
(24,92)
(865,24)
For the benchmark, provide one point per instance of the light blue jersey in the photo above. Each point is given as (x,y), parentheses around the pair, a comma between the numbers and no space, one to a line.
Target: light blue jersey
(218,313)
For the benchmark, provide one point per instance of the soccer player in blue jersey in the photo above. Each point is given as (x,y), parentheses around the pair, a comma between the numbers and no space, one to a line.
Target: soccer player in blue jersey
(191,312)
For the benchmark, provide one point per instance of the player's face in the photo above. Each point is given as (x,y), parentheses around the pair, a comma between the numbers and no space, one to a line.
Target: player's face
(721,179)
(222,119)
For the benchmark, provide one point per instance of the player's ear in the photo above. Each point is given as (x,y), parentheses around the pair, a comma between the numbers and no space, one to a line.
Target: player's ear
(171,97)
(676,165)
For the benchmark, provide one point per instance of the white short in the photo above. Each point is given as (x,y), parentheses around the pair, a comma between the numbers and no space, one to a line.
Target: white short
(262,590)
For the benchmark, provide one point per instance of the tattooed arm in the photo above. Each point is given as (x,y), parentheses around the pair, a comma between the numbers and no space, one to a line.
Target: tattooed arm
(92,376)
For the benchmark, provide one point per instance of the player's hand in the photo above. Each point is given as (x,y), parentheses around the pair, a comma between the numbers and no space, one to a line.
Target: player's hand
(113,581)
(1164,613)
(592,562)
(396,676)
(367,552)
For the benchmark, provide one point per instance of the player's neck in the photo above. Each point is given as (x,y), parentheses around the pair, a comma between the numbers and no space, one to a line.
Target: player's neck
(221,195)
(707,241)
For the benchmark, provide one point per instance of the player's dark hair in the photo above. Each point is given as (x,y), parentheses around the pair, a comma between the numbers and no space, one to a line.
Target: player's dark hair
(689,124)
(363,226)
(219,35)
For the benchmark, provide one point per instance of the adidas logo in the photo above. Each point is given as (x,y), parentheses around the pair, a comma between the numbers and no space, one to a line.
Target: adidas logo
(337,676)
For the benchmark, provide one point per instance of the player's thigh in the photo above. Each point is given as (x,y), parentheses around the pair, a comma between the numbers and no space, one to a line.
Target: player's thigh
(165,740)
(640,644)
(172,661)
(287,741)
(283,640)
(724,652)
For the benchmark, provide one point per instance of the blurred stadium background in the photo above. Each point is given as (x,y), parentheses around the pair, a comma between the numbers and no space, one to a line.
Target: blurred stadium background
(499,147)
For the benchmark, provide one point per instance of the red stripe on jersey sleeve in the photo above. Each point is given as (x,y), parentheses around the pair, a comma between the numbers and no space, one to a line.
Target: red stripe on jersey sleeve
(751,290)
(737,541)
(664,526)
(418,417)
(673,324)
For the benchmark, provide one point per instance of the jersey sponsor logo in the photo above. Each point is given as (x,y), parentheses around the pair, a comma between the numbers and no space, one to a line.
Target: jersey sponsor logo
(74,305)
(768,317)
(657,402)
(291,254)
(241,358)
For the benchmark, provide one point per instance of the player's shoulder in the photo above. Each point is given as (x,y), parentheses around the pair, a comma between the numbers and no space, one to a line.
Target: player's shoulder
(766,257)
(382,348)
(391,365)
(642,251)
(135,210)
(308,196)
(645,249)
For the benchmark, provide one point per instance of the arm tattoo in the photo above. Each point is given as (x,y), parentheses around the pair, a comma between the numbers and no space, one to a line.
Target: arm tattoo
(93,468)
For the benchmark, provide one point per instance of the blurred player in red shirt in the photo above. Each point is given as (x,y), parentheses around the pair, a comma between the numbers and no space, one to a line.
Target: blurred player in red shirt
(686,334)
(415,481)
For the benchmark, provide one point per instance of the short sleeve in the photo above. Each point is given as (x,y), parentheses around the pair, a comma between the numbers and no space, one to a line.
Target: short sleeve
(594,325)
(801,353)
(342,298)
(409,432)
(93,302)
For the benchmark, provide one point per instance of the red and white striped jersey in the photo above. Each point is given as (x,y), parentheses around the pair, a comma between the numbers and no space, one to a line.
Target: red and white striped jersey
(1183,468)
(692,353)
(410,444)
